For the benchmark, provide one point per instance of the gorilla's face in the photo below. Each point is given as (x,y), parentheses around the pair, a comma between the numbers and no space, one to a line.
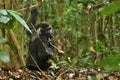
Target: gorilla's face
(47,31)
(44,29)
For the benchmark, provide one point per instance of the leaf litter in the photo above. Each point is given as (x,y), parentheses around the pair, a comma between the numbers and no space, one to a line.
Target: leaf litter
(59,74)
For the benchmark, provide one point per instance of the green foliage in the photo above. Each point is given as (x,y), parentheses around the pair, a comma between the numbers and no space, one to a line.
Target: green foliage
(19,19)
(11,45)
(112,61)
(85,62)
(76,24)
(55,66)
(63,63)
(2,41)
(9,18)
(3,16)
(11,24)
(111,8)
(100,47)
(4,56)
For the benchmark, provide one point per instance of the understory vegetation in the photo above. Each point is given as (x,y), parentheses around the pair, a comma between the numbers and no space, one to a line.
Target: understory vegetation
(86,34)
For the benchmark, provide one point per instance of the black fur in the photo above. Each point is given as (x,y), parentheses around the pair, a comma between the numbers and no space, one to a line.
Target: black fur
(40,48)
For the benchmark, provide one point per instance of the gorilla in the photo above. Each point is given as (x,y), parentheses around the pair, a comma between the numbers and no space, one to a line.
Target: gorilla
(41,48)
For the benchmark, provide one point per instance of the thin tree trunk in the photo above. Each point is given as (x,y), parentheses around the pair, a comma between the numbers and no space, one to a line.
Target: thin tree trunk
(14,40)
(111,33)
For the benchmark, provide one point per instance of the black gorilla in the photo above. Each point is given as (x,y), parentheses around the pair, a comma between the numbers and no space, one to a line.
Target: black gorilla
(40,45)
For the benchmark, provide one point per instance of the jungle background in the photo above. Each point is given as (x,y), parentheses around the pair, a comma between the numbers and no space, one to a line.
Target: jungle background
(86,33)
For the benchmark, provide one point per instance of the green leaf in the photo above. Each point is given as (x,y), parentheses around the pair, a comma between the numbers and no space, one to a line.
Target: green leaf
(19,19)
(2,41)
(11,24)
(3,12)
(80,6)
(10,44)
(111,61)
(4,56)
(3,16)
(7,20)
(53,64)
(4,19)
(110,9)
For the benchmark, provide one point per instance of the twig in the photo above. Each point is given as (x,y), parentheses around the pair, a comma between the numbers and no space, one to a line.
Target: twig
(28,7)
(38,36)
(32,56)
(68,68)
(36,64)
(13,38)
(38,4)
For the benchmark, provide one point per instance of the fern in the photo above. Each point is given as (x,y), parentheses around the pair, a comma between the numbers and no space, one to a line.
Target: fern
(112,61)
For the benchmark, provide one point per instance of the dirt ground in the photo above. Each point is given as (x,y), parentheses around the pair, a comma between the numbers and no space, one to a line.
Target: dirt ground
(60,74)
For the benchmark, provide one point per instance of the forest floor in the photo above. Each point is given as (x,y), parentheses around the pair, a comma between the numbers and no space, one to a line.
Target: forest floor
(60,74)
